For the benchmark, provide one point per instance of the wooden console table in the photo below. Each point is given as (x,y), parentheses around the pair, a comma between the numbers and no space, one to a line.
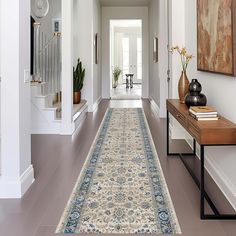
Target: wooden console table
(207,133)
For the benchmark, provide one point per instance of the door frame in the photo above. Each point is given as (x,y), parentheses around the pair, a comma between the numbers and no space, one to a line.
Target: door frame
(132,33)
(124,13)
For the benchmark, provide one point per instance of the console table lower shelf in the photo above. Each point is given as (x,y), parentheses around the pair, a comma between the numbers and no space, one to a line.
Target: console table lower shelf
(213,133)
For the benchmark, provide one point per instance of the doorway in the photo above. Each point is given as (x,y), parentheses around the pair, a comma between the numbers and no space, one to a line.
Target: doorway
(126,57)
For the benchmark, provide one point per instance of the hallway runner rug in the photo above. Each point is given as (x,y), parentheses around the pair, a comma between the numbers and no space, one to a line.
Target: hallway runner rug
(121,188)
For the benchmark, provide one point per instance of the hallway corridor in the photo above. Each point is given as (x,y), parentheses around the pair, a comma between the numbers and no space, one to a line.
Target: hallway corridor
(59,163)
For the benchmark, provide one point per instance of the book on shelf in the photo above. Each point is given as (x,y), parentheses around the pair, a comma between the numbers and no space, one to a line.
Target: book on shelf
(203,110)
(207,118)
(202,118)
(205,115)
(202,113)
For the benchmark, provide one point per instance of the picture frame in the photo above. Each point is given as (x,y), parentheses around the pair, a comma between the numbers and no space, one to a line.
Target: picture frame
(215,45)
(96,49)
(155,49)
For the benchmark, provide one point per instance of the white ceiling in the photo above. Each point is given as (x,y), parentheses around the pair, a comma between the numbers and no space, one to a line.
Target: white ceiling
(117,3)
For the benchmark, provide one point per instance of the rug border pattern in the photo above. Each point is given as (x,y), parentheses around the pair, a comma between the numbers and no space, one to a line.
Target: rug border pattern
(148,139)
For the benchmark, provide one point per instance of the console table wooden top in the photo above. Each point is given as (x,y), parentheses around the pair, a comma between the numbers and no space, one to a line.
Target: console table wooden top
(221,131)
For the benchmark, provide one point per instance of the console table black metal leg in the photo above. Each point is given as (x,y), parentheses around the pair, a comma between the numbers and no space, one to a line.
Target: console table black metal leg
(194,147)
(203,195)
(202,184)
(167,134)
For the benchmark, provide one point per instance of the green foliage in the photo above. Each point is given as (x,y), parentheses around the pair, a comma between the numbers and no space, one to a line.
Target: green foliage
(78,77)
(116,73)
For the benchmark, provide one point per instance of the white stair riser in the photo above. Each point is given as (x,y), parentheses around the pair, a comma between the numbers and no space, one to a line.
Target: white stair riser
(44,120)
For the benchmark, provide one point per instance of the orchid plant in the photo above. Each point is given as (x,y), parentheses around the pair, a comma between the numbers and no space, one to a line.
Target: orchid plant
(185,57)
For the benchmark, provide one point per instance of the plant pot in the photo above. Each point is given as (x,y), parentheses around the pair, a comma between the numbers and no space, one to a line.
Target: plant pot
(115,83)
(76,97)
(183,87)
(59,96)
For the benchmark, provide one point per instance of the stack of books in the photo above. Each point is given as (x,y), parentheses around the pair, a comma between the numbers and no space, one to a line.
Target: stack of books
(203,113)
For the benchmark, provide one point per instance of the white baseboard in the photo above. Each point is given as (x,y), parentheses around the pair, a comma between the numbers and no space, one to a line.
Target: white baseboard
(67,129)
(46,128)
(14,189)
(93,107)
(79,117)
(155,107)
(79,124)
(96,104)
(224,183)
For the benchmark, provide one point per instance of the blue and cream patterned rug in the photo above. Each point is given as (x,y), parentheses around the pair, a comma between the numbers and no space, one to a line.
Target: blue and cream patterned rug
(121,188)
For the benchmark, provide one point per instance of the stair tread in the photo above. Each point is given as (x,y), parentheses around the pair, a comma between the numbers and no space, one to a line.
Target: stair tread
(37,83)
(78,107)
(41,96)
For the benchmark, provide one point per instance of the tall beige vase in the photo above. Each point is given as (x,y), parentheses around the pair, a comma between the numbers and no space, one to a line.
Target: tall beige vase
(183,87)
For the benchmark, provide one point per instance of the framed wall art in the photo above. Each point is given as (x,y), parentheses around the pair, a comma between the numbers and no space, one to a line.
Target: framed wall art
(96,48)
(155,49)
(216,36)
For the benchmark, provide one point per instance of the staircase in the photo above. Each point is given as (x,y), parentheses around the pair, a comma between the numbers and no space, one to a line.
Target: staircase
(46,83)
(45,111)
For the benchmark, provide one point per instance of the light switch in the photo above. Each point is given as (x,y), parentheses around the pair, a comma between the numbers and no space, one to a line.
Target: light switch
(26,76)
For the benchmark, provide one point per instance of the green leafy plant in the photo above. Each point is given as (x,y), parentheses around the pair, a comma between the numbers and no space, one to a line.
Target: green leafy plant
(116,74)
(78,77)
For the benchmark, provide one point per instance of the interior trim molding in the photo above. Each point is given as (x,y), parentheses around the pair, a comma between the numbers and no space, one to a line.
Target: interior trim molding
(15,189)
(80,117)
(96,104)
(154,106)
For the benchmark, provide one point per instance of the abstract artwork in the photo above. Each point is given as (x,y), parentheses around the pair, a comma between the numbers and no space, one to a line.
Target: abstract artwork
(216,36)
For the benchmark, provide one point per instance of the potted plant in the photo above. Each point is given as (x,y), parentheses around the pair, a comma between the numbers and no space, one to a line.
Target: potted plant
(78,81)
(116,74)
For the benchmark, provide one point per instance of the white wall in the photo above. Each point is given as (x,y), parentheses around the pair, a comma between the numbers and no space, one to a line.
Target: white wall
(86,25)
(97,83)
(0,87)
(67,127)
(177,31)
(54,12)
(112,13)
(220,92)
(177,37)
(158,71)
(17,173)
(154,29)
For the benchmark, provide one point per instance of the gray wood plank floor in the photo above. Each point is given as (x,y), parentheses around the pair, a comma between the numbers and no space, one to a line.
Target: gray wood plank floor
(58,161)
